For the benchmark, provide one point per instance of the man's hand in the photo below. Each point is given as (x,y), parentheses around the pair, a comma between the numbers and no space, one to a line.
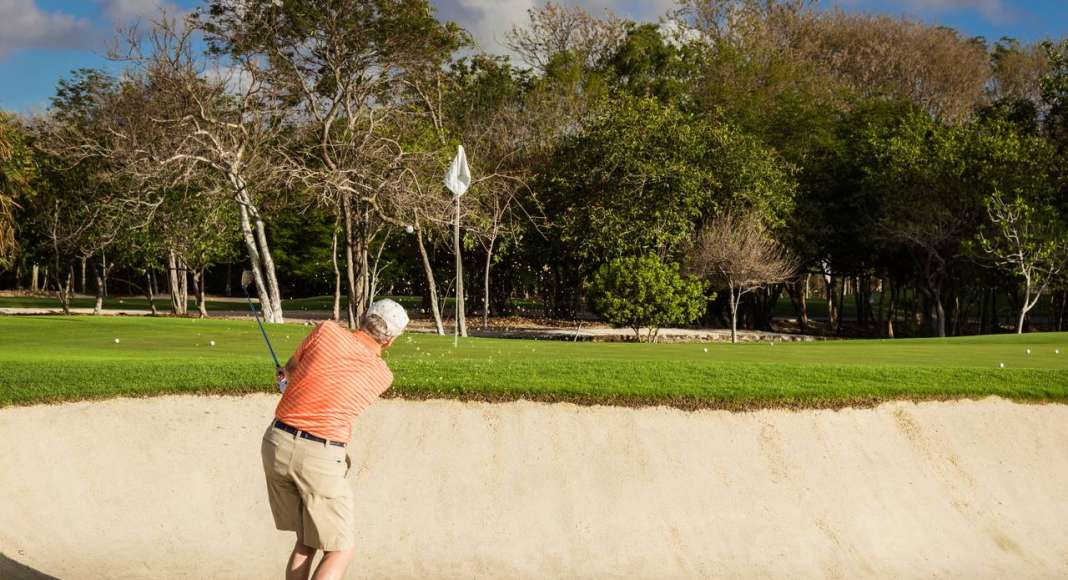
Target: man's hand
(281,379)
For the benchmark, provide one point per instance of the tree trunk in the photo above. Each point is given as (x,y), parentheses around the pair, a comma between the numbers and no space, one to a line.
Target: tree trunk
(269,271)
(104,272)
(175,290)
(65,289)
(183,284)
(350,266)
(735,299)
(800,297)
(255,263)
(365,271)
(840,307)
(98,308)
(34,280)
(84,259)
(486,285)
(891,312)
(432,286)
(461,325)
(336,315)
(229,278)
(939,312)
(150,292)
(198,292)
(1023,307)
(832,310)
(1063,295)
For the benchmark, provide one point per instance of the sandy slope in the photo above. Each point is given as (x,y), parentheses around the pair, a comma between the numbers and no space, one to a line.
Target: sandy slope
(172,488)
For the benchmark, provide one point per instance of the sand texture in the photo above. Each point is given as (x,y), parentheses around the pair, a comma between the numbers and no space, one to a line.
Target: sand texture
(173,488)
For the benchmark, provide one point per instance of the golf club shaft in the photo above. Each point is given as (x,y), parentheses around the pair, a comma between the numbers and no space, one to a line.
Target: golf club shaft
(263,331)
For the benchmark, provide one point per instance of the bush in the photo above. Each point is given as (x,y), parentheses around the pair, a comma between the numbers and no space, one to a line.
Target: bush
(645,292)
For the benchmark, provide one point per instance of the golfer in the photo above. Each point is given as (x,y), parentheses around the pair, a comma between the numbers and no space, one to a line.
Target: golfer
(333,377)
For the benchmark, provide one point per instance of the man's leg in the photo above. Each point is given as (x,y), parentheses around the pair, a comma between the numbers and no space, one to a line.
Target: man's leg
(300,561)
(333,565)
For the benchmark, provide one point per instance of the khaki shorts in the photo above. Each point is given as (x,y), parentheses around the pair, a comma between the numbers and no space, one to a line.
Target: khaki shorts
(308,489)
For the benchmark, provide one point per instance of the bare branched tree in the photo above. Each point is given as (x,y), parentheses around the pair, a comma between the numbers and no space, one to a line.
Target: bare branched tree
(1027,244)
(221,120)
(555,28)
(738,253)
(343,69)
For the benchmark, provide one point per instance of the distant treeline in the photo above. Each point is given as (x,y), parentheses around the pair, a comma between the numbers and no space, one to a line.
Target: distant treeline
(306,141)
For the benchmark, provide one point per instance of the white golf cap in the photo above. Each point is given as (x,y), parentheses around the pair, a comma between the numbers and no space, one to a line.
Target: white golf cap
(392,314)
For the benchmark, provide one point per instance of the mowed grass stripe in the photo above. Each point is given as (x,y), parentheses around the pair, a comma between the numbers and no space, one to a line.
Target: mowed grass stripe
(47,359)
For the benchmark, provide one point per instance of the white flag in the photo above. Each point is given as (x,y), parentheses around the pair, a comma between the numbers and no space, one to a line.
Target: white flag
(458,179)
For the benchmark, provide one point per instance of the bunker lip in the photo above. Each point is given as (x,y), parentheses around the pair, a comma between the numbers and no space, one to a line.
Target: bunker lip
(449,489)
(689,404)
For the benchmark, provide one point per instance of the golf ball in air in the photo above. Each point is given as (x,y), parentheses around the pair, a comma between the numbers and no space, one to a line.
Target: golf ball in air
(409,229)
(116,341)
(212,343)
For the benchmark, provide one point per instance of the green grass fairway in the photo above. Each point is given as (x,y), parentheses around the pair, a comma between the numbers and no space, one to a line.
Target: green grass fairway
(70,358)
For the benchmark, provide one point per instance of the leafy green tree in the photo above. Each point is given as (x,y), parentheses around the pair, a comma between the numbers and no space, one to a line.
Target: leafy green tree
(643,292)
(641,175)
(646,64)
(1055,92)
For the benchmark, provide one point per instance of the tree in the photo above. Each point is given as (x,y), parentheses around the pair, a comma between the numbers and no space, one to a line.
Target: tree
(343,68)
(643,292)
(223,124)
(1029,241)
(918,167)
(17,172)
(488,108)
(556,29)
(640,176)
(736,252)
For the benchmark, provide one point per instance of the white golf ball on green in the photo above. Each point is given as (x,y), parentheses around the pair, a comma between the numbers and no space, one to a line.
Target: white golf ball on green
(116,341)
(212,343)
(1001,365)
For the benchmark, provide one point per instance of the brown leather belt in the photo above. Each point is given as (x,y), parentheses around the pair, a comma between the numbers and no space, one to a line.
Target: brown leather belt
(278,424)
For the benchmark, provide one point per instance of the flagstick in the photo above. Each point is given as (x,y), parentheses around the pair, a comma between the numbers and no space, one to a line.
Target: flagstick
(459,278)
(458,179)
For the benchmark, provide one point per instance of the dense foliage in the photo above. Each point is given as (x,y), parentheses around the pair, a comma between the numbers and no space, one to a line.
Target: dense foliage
(643,292)
(898,162)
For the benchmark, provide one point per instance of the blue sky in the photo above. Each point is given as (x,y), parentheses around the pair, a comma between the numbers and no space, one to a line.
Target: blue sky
(41,41)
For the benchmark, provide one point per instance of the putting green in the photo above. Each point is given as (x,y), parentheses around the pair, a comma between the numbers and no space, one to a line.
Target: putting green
(69,358)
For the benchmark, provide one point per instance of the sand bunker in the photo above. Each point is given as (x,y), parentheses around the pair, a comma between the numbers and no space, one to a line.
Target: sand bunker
(172,488)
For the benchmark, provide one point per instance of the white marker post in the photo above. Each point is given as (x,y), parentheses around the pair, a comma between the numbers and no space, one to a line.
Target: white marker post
(458,179)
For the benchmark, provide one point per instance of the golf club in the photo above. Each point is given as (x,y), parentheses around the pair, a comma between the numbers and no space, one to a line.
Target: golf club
(246,281)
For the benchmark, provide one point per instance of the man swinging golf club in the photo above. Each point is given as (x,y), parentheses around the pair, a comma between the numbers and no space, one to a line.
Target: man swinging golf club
(332,377)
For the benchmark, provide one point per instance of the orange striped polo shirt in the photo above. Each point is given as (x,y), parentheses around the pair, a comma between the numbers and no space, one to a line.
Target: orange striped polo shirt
(337,376)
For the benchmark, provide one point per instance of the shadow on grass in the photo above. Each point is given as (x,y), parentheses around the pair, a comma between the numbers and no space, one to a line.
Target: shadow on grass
(12,570)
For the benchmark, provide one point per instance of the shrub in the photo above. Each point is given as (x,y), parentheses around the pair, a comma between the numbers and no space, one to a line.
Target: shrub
(645,292)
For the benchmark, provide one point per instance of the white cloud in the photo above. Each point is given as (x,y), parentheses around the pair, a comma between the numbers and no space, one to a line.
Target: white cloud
(123,12)
(488,21)
(24,25)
